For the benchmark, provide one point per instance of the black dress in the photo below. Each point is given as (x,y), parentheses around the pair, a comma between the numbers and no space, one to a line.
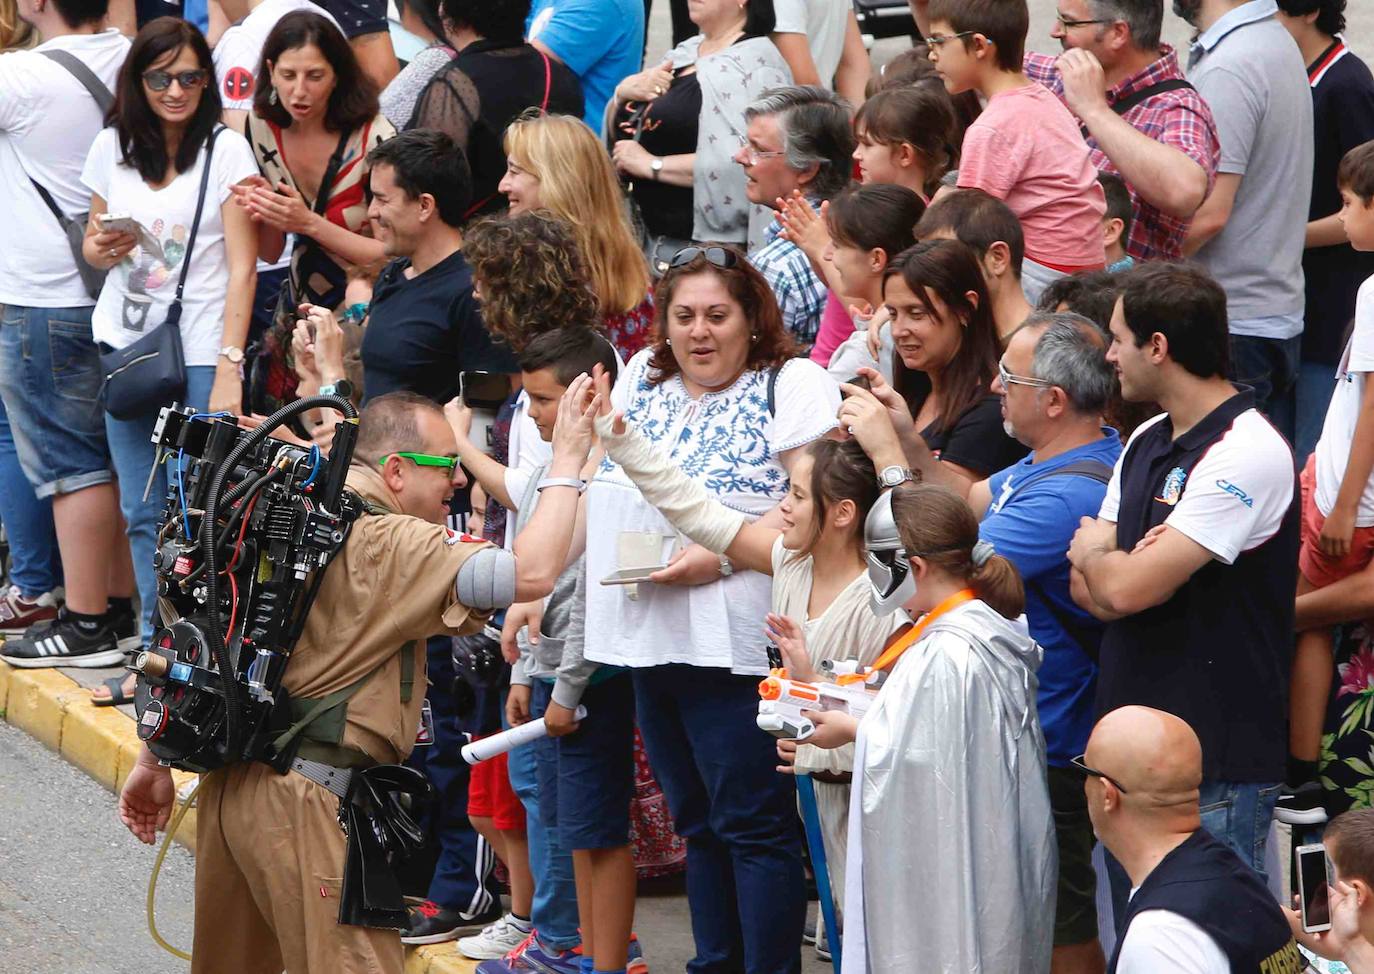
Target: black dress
(667,128)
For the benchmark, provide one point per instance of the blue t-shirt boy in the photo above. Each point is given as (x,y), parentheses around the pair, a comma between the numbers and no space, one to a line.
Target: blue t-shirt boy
(602,41)
(1032,526)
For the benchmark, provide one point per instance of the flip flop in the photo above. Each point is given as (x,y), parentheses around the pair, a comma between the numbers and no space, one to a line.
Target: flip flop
(117,697)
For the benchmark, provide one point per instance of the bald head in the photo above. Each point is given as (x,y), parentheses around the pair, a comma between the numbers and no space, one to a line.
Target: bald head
(1153,754)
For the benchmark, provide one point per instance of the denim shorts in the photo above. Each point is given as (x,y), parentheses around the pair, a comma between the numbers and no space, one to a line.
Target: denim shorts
(50,380)
(586,779)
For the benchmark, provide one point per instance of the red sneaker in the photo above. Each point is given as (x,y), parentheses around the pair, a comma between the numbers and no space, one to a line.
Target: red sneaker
(18,613)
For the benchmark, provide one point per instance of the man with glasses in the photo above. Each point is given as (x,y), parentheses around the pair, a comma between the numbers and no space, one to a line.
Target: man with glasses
(269,850)
(1055,382)
(798,139)
(1195,905)
(1142,119)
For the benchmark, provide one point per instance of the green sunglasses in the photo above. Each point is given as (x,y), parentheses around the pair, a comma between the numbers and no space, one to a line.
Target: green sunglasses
(422,460)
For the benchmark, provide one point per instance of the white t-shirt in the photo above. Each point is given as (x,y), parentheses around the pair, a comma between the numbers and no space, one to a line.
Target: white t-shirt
(1338,432)
(727,442)
(139,290)
(1164,942)
(240,49)
(47,124)
(1236,496)
(823,22)
(527,453)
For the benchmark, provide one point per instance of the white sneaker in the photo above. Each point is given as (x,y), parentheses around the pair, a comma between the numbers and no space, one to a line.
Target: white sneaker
(494,942)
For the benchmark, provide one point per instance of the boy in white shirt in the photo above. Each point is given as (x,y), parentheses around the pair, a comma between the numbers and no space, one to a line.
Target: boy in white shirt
(1337,503)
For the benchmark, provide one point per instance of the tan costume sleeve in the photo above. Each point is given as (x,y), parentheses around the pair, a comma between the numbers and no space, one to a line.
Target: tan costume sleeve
(416,563)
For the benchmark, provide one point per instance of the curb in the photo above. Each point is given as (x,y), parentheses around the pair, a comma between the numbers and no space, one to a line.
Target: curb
(101,741)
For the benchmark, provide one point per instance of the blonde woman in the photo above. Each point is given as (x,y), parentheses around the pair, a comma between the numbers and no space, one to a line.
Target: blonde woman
(556,163)
(14,33)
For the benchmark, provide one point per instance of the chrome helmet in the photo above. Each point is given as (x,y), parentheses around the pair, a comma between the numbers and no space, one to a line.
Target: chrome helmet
(889,572)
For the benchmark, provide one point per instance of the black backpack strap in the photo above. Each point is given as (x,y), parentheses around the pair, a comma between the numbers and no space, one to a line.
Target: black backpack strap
(85,75)
(773,390)
(174,310)
(1123,105)
(62,219)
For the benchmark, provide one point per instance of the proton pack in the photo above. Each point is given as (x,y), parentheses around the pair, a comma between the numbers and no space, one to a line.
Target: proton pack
(250,526)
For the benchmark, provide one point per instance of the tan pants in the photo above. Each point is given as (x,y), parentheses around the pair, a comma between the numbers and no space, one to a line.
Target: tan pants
(269,862)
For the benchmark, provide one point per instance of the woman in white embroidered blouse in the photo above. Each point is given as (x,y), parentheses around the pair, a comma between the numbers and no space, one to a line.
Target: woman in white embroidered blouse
(720,393)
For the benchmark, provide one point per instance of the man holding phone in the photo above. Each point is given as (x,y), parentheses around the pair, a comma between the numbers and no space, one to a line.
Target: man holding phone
(1195,906)
(1347,933)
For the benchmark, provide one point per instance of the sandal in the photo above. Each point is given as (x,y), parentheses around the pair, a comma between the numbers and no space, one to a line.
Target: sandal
(117,697)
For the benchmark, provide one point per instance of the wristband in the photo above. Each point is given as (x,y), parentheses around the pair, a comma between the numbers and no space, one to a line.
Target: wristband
(581,485)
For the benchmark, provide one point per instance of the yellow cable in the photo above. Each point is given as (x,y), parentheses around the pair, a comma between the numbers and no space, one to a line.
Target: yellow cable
(157,868)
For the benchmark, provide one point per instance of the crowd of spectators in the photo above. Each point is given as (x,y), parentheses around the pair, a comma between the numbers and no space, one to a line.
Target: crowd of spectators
(1034,387)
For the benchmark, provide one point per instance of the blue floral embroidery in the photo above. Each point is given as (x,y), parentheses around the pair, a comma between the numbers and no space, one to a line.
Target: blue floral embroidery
(720,440)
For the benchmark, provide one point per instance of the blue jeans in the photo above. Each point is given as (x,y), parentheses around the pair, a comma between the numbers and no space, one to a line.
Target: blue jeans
(1238,814)
(1270,367)
(739,817)
(554,911)
(131,448)
(1316,382)
(35,566)
(50,382)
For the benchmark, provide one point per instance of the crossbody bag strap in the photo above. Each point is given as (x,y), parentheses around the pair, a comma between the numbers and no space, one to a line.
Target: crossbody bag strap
(85,75)
(1124,105)
(103,99)
(174,311)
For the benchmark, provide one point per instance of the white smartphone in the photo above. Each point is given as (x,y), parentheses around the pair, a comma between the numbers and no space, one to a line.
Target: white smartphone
(630,576)
(118,223)
(1314,887)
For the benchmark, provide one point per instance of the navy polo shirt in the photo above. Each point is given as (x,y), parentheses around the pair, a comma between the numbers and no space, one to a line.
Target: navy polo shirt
(422,331)
(1218,652)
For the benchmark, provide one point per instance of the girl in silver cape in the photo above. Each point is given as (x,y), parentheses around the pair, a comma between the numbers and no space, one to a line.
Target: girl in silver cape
(952,856)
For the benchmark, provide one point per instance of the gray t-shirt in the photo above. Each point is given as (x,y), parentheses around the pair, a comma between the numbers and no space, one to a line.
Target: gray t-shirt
(1251,73)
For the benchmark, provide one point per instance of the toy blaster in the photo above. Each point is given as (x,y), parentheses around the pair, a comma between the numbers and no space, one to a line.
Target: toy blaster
(486,748)
(782,699)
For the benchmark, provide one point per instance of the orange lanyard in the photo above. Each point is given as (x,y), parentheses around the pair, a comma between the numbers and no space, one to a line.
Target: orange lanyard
(909,638)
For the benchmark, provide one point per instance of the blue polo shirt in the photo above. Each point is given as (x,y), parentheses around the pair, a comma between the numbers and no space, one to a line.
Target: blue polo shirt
(1032,526)
(601,40)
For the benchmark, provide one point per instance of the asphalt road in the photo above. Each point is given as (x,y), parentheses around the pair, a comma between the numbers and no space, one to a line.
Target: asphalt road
(73,880)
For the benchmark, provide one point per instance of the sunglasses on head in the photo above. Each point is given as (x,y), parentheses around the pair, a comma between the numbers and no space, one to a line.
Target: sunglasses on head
(721,257)
(162,80)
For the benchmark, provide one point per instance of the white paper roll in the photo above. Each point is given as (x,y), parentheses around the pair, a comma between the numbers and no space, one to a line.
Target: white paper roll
(489,747)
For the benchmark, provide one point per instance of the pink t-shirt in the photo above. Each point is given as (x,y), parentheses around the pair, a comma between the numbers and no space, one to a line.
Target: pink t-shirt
(836,327)
(1026,149)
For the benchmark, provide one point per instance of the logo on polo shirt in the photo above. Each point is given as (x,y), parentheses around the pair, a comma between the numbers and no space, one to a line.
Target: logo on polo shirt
(1173,487)
(1236,492)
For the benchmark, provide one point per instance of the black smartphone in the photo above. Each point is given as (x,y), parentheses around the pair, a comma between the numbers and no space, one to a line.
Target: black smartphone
(1314,887)
(483,390)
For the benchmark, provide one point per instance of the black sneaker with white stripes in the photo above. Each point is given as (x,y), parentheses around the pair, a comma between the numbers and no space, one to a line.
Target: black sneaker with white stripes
(64,642)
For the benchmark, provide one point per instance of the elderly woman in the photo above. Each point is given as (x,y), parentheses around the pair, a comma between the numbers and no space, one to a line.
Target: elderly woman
(720,393)
(678,124)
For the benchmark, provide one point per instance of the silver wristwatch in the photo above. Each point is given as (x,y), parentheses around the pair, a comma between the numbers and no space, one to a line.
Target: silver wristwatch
(726,569)
(656,167)
(894,476)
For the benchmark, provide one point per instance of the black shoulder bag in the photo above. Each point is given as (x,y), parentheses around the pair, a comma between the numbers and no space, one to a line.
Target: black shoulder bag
(151,372)
(74,226)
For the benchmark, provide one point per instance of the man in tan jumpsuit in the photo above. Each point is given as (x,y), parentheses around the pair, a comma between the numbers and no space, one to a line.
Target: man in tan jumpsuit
(269,848)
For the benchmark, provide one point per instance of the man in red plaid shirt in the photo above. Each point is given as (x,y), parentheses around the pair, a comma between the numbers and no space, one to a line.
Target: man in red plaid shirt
(1142,120)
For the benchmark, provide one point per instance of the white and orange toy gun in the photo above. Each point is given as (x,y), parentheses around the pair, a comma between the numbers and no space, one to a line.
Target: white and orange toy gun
(782,699)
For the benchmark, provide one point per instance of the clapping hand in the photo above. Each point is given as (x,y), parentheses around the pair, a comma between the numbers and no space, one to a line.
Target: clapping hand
(787,635)
(804,226)
(573,431)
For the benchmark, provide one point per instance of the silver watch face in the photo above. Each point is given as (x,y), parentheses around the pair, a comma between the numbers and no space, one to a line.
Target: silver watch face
(892,476)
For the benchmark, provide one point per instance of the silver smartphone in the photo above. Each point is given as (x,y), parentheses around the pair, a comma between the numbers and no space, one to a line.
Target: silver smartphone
(630,576)
(118,223)
(1314,887)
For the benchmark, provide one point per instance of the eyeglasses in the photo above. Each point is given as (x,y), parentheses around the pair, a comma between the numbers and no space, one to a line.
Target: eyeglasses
(422,460)
(935,41)
(162,80)
(1012,379)
(722,257)
(752,155)
(1067,24)
(1081,765)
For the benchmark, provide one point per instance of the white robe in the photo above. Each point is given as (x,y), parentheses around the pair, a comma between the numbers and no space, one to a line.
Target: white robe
(952,855)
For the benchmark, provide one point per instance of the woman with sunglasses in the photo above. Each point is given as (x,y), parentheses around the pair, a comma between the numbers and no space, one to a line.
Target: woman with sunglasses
(941,399)
(148,166)
(951,856)
(675,127)
(721,394)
